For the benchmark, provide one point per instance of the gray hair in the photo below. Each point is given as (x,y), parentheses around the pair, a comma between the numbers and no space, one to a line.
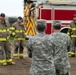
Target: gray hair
(41,25)
(56,23)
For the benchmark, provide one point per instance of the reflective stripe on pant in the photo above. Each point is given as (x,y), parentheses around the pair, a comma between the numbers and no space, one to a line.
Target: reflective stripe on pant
(2,61)
(19,45)
(8,60)
(5,50)
(21,55)
(15,55)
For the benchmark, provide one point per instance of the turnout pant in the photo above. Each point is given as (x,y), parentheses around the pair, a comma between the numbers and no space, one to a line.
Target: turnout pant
(74,44)
(5,51)
(19,44)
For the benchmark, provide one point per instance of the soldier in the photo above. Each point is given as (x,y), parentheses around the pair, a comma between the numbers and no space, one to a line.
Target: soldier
(5,46)
(19,37)
(62,43)
(72,34)
(42,52)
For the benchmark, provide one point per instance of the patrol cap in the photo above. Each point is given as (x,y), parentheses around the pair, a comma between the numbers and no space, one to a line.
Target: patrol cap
(41,24)
(56,23)
(2,15)
(74,15)
(20,18)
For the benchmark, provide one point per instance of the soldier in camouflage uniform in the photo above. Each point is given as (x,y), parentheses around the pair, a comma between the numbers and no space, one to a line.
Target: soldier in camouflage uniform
(5,46)
(19,37)
(62,43)
(42,52)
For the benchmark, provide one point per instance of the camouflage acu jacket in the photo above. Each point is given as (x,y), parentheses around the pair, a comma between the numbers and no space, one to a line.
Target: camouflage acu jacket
(62,43)
(42,55)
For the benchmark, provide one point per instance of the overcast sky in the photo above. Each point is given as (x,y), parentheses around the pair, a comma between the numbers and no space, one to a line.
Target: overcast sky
(11,7)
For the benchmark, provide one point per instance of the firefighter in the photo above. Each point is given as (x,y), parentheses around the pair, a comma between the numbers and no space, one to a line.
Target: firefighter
(72,33)
(5,45)
(19,37)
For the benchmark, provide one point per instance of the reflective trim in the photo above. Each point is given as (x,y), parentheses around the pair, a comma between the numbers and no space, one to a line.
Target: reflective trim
(73,36)
(9,60)
(72,28)
(2,61)
(13,33)
(19,39)
(4,64)
(68,33)
(12,28)
(8,30)
(18,31)
(8,37)
(21,54)
(72,53)
(3,30)
(3,39)
(15,55)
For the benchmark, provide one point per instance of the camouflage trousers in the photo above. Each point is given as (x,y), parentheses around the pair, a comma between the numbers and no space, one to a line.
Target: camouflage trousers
(5,50)
(44,74)
(57,73)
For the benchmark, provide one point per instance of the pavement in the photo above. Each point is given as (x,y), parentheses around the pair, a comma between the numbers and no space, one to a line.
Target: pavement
(22,67)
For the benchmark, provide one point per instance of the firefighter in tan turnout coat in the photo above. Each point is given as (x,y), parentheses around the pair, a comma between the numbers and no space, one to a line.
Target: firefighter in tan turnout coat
(19,37)
(72,34)
(5,46)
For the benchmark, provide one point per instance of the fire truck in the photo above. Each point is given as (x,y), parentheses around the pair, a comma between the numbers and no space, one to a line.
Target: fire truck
(53,11)
(49,11)
(64,13)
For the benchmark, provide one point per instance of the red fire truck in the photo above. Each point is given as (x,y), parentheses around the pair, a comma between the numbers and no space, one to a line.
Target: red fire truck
(49,11)
(63,13)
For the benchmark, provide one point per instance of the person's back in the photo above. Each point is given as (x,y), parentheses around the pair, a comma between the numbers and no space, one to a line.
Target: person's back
(42,55)
(62,43)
